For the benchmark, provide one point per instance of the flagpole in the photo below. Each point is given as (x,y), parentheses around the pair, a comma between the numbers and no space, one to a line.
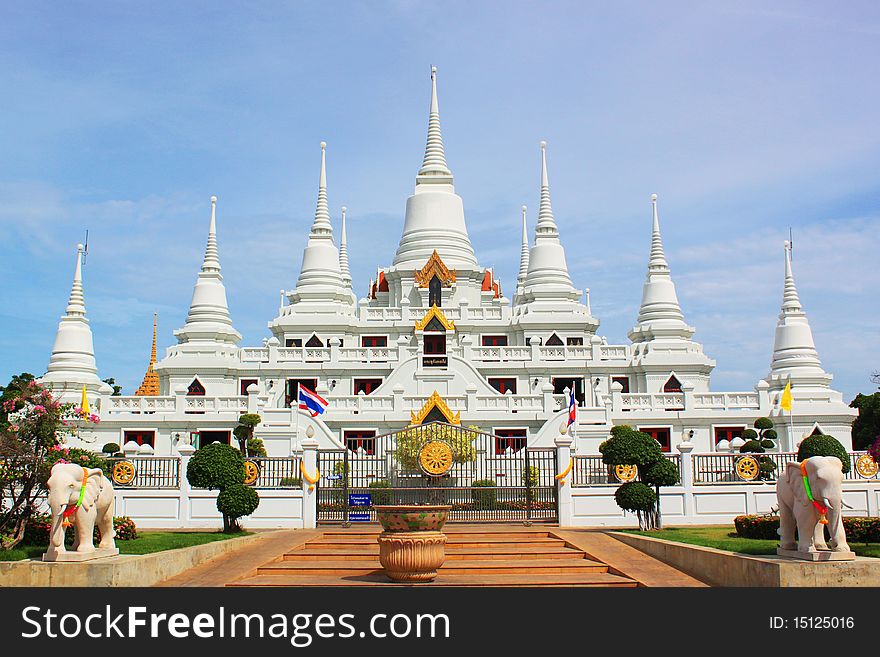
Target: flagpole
(295,444)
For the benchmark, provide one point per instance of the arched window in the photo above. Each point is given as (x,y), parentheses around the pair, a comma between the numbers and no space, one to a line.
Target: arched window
(435,297)
(672,385)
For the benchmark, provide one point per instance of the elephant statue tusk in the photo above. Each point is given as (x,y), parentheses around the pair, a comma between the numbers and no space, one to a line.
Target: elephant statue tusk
(827,503)
(846,505)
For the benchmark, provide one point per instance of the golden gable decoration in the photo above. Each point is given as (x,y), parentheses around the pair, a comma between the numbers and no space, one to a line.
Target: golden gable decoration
(434,267)
(435,401)
(435,313)
(150,385)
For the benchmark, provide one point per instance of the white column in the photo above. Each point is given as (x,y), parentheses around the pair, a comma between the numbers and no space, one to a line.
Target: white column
(687,475)
(184,510)
(310,497)
(563,491)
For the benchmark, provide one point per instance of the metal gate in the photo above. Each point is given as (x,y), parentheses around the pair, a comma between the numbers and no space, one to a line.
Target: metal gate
(485,478)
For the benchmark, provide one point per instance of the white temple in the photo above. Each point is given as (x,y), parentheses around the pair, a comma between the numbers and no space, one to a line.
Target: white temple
(435,337)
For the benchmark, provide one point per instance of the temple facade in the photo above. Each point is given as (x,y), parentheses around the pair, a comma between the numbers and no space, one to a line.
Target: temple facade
(437,337)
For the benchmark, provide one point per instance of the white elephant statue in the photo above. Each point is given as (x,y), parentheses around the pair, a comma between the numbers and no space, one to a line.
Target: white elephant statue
(82,497)
(810,508)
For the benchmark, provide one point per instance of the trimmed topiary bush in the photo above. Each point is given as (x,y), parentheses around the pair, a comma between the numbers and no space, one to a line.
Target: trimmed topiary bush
(110,448)
(215,466)
(752,447)
(483,493)
(749,434)
(821,445)
(661,473)
(380,491)
(635,496)
(763,423)
(236,501)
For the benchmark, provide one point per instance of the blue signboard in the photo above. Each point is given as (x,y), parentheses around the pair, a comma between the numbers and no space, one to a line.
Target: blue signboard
(332,477)
(359,517)
(360,500)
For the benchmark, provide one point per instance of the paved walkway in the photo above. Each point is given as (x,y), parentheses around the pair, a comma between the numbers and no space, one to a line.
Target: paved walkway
(477,555)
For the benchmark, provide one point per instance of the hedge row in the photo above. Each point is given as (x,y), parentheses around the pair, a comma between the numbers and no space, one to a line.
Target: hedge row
(37,530)
(858,530)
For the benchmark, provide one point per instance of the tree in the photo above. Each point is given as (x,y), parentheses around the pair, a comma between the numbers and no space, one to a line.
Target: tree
(866,427)
(821,445)
(117,390)
(758,441)
(244,432)
(219,466)
(32,425)
(629,447)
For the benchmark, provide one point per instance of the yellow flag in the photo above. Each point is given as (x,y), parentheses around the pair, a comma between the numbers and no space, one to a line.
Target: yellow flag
(785,400)
(84,404)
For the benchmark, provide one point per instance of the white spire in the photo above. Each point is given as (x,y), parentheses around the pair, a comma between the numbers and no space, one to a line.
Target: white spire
(523,251)
(320,277)
(72,364)
(660,314)
(434,168)
(795,357)
(343,253)
(547,277)
(434,213)
(208,320)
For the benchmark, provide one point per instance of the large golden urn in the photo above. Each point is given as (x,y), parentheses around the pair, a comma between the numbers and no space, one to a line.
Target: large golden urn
(412,547)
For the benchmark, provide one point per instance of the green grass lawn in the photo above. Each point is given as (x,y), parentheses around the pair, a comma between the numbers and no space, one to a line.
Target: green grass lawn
(725,538)
(145,543)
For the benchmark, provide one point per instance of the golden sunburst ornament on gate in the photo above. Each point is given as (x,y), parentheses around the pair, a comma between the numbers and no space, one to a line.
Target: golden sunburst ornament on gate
(866,466)
(435,458)
(625,473)
(747,468)
(251,472)
(123,473)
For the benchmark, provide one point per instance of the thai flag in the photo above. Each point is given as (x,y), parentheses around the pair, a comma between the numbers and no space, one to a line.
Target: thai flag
(572,407)
(310,401)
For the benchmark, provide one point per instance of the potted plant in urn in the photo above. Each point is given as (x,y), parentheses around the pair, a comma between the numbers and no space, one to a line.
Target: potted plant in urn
(412,546)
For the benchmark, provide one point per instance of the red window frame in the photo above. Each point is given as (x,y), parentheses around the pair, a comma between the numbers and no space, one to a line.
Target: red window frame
(622,380)
(516,439)
(244,384)
(503,384)
(360,438)
(494,340)
(435,345)
(141,437)
(661,434)
(728,433)
(374,340)
(367,385)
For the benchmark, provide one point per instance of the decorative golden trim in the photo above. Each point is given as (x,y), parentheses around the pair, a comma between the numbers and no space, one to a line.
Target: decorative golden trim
(435,457)
(435,401)
(562,475)
(625,473)
(311,481)
(747,468)
(251,473)
(433,312)
(433,267)
(866,466)
(123,473)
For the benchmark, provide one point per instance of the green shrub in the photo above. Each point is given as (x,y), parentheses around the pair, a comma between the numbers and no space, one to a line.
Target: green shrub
(483,493)
(629,447)
(530,476)
(236,501)
(768,444)
(751,447)
(255,447)
(749,434)
(37,530)
(821,445)
(215,466)
(858,530)
(75,455)
(110,448)
(293,482)
(635,496)
(769,434)
(380,491)
(661,473)
(763,423)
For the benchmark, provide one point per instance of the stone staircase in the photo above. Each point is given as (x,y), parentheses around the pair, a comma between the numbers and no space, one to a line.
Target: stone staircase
(475,556)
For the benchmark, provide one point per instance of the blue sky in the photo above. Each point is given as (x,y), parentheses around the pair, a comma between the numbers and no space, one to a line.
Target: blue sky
(746,119)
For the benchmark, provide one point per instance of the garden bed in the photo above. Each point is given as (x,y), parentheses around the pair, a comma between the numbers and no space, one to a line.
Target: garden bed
(146,542)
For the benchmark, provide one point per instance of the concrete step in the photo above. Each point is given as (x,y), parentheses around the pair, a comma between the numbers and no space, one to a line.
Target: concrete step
(471,541)
(452,553)
(463,566)
(599,579)
(499,533)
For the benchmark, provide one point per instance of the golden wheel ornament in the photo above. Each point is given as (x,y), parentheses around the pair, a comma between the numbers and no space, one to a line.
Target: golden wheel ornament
(122,473)
(251,472)
(435,458)
(747,468)
(866,466)
(625,473)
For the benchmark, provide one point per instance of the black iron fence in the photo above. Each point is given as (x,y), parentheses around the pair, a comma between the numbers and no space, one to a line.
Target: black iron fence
(737,468)
(145,471)
(591,471)
(483,477)
(276,472)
